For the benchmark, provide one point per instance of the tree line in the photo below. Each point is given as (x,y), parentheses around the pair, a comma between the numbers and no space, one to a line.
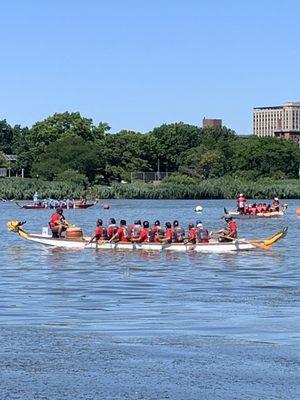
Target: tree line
(69,147)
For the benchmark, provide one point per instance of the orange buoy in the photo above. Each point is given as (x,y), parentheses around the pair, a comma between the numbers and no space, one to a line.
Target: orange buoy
(74,233)
(298,211)
(106,206)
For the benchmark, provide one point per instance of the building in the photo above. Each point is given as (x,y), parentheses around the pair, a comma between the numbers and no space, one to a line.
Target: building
(211,123)
(281,121)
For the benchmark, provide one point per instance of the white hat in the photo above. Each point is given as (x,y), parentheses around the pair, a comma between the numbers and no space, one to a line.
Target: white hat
(199,209)
(276,198)
(241,194)
(199,225)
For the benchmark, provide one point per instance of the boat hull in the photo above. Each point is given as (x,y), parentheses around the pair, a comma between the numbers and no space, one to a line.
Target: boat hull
(237,215)
(211,247)
(44,207)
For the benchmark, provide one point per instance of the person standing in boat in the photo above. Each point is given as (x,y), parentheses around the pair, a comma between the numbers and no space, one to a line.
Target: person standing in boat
(241,202)
(35,198)
(276,204)
(229,232)
(58,223)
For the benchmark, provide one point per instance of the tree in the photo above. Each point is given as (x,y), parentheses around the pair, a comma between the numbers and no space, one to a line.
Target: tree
(70,152)
(169,141)
(266,156)
(6,137)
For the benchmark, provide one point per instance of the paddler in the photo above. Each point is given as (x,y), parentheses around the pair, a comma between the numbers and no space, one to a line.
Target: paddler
(169,233)
(123,233)
(58,223)
(178,232)
(229,232)
(136,230)
(157,233)
(144,234)
(100,232)
(202,234)
(112,228)
(192,234)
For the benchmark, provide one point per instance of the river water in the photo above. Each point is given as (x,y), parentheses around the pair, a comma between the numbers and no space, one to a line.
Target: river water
(247,297)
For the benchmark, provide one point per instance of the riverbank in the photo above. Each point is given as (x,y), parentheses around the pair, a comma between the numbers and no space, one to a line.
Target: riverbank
(50,363)
(223,188)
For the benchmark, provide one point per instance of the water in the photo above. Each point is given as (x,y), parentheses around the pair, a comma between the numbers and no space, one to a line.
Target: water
(246,296)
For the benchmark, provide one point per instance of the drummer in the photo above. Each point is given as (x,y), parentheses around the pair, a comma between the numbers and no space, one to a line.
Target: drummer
(58,223)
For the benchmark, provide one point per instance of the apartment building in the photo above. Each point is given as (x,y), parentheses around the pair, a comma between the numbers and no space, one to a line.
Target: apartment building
(282,121)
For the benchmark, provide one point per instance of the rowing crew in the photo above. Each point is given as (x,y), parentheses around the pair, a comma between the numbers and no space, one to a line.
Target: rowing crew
(171,233)
(258,208)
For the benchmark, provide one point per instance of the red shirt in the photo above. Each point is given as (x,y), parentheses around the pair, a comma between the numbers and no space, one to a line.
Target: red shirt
(192,234)
(111,230)
(144,236)
(54,219)
(169,235)
(98,232)
(122,234)
(233,229)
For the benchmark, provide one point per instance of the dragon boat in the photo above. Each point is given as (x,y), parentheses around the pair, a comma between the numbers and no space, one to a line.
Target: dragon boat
(270,214)
(43,206)
(214,246)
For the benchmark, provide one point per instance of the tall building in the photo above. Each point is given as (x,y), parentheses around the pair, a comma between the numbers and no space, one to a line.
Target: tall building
(282,121)
(211,123)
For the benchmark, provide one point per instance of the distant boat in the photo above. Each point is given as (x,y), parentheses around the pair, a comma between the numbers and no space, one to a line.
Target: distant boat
(269,214)
(42,206)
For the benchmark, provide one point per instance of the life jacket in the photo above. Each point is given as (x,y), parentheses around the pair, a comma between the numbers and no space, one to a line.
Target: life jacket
(136,231)
(160,233)
(169,235)
(126,232)
(54,218)
(202,235)
(178,234)
(111,230)
(241,202)
(104,233)
(232,229)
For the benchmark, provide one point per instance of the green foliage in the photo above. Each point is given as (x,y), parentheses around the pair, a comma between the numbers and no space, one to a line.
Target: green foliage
(268,156)
(70,152)
(23,189)
(209,162)
(71,175)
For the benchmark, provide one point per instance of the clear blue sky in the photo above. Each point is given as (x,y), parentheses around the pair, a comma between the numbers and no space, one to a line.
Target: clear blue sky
(137,64)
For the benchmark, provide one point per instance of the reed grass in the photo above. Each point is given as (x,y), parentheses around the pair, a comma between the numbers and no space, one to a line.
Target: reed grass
(222,188)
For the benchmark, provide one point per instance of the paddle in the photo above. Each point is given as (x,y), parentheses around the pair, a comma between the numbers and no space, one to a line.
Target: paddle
(252,242)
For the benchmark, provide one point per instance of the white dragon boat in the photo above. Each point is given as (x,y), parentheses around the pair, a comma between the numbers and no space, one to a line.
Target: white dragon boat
(214,246)
(270,214)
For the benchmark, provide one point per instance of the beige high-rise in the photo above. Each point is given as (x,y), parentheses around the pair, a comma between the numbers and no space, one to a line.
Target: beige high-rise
(277,121)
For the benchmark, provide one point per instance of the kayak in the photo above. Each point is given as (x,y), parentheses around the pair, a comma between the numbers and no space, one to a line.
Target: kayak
(214,246)
(45,206)
(237,215)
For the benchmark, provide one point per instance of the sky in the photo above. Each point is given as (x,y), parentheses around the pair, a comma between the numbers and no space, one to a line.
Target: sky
(139,64)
